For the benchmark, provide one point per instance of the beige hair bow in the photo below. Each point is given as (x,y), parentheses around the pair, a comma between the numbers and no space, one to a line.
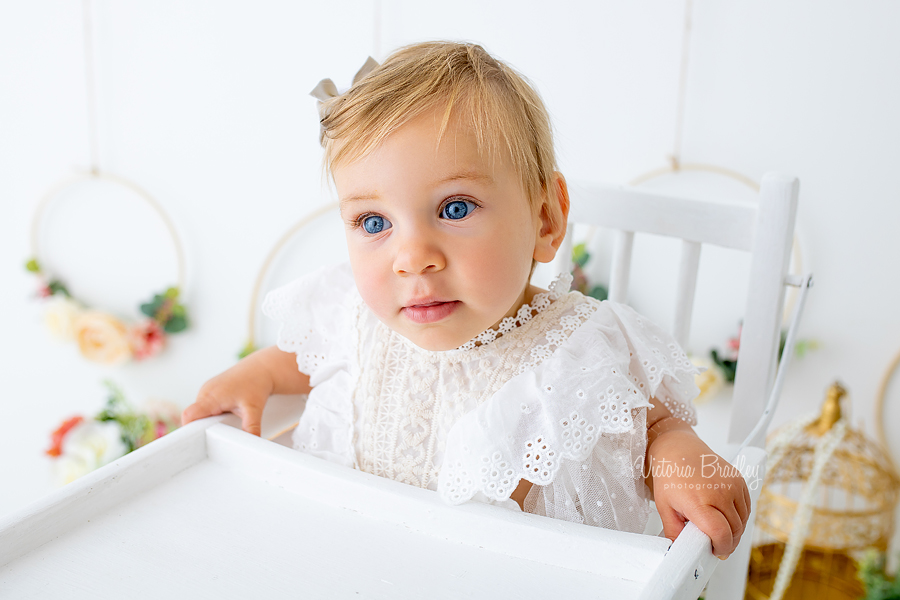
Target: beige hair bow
(326,90)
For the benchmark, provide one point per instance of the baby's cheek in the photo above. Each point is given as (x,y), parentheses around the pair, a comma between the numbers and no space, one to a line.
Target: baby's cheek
(374,291)
(376,297)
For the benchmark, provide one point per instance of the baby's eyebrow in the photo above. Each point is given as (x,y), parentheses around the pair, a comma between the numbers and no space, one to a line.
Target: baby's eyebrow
(470,175)
(356,197)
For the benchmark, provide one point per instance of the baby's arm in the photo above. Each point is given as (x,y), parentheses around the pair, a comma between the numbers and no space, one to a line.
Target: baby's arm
(244,388)
(690,482)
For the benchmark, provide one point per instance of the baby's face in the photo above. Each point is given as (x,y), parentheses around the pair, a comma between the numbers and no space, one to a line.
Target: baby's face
(441,239)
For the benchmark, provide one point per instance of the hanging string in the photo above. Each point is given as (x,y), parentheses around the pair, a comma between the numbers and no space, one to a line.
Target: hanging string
(89,88)
(376,29)
(682,86)
(676,166)
(94,172)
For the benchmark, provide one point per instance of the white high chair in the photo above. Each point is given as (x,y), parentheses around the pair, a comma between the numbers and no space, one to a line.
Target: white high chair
(210,511)
(765,230)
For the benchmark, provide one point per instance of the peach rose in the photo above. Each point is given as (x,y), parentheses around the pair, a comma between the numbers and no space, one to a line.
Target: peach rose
(60,316)
(102,338)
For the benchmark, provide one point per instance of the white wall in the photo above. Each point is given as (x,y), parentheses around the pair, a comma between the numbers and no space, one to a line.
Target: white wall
(205,105)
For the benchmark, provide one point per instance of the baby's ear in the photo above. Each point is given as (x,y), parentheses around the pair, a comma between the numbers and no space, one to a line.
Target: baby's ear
(554,215)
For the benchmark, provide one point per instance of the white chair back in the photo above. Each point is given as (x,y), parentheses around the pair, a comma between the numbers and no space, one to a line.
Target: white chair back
(764,229)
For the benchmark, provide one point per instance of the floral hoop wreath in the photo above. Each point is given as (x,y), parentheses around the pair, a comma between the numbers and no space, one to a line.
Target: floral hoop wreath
(677,167)
(101,337)
(251,346)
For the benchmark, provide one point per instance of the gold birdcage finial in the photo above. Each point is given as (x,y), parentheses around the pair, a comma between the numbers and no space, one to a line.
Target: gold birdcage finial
(831,410)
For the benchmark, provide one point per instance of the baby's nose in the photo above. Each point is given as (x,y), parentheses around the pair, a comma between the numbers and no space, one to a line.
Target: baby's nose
(418,255)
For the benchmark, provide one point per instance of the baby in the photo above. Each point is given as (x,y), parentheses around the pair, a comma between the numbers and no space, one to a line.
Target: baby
(433,361)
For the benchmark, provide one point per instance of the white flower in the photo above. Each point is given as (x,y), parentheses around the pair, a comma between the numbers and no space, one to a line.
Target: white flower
(88,446)
(67,469)
(60,315)
(709,381)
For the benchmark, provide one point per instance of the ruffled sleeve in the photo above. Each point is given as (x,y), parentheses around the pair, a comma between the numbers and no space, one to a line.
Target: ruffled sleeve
(574,425)
(317,315)
(659,366)
(314,314)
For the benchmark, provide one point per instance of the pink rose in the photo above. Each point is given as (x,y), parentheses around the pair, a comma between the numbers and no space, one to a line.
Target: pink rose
(146,339)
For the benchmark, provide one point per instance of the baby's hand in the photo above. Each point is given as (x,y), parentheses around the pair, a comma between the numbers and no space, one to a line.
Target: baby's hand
(692,483)
(243,390)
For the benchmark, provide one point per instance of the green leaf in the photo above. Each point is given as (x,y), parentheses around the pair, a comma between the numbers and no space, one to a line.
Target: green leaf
(580,254)
(878,584)
(171,293)
(56,287)
(599,292)
(151,308)
(178,311)
(105,415)
(33,266)
(249,349)
(116,396)
(175,324)
(729,367)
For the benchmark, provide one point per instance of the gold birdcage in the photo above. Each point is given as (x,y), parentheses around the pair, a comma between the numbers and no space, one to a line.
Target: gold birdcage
(829,493)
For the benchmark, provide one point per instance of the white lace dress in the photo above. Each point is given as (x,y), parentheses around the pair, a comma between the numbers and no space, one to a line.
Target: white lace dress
(557,396)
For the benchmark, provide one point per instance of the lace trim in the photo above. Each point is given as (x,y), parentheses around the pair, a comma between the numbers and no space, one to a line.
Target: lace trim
(556,337)
(557,412)
(558,287)
(413,397)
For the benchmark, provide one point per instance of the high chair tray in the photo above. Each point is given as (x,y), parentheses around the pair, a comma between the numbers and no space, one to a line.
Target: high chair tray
(210,511)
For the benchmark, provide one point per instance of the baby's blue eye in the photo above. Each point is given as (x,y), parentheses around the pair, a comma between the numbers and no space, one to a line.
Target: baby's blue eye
(375,224)
(457,209)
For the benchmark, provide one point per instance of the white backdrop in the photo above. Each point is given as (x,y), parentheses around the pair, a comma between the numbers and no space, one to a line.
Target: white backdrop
(205,105)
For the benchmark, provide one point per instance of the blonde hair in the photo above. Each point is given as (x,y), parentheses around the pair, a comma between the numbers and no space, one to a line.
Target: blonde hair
(506,113)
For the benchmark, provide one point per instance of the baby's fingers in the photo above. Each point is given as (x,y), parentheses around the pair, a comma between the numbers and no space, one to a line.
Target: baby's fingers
(742,505)
(672,521)
(723,527)
(199,410)
(250,414)
(747,504)
(251,418)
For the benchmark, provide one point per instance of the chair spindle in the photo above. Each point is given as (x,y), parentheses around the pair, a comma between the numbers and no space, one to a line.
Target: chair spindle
(687,284)
(621,266)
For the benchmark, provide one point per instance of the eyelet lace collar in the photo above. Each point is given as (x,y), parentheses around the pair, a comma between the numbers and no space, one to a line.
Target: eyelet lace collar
(558,287)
